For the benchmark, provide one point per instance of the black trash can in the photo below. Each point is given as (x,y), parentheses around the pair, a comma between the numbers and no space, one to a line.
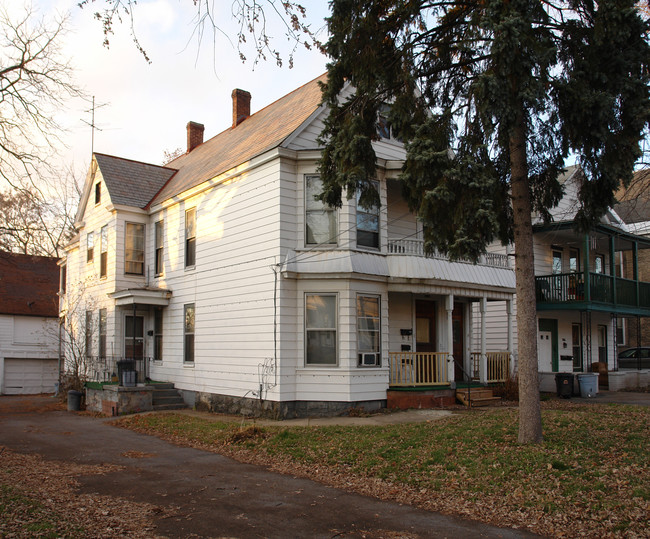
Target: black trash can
(74,400)
(564,384)
(126,374)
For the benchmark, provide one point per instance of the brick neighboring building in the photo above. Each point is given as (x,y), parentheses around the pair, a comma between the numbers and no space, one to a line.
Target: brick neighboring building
(634,209)
(28,324)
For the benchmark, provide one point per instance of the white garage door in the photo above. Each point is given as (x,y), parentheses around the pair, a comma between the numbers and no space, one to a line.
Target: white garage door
(29,376)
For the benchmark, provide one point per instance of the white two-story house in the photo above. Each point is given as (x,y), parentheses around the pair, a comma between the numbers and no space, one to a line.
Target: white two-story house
(221,273)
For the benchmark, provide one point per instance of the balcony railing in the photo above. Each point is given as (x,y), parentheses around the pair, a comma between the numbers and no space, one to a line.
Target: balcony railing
(106,369)
(570,287)
(414,247)
(418,369)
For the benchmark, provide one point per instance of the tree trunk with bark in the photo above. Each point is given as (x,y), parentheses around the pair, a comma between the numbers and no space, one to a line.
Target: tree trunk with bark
(530,417)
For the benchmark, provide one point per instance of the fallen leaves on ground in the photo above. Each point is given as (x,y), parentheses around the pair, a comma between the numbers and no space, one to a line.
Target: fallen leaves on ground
(40,498)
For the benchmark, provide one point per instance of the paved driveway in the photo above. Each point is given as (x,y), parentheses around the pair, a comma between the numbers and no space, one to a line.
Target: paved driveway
(216,496)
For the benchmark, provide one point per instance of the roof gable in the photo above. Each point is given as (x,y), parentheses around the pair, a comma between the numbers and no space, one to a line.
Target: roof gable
(132,183)
(634,205)
(28,285)
(259,133)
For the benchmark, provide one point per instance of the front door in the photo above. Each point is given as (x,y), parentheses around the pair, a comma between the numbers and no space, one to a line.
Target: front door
(459,345)
(425,326)
(133,337)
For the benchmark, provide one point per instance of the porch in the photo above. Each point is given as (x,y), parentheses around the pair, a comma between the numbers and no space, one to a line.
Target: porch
(431,369)
(109,369)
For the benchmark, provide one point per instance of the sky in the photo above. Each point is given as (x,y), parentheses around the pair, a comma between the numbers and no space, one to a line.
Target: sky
(142,109)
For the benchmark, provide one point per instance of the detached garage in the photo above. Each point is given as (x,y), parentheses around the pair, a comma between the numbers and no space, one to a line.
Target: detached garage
(28,324)
(30,376)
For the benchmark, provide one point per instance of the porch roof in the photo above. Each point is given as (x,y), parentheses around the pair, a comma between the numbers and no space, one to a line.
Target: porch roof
(399,269)
(142,296)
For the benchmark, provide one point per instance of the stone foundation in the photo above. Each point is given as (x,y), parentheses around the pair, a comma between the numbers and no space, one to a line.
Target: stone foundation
(114,400)
(224,404)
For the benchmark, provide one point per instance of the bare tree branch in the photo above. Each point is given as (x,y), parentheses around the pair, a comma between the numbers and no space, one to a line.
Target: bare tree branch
(35,82)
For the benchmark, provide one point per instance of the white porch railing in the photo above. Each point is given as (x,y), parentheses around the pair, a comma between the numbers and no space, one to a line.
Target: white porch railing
(415,247)
(498,366)
(418,368)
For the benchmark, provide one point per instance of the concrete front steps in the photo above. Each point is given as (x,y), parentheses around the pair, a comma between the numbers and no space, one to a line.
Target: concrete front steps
(476,396)
(166,397)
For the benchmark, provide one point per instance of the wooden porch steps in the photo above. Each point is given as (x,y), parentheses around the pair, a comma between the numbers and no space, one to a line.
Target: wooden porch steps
(166,397)
(476,396)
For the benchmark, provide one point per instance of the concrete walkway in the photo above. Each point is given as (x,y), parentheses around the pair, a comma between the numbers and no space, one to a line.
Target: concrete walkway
(216,496)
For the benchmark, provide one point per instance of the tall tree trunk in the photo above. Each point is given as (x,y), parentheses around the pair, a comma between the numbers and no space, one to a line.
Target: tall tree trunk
(530,416)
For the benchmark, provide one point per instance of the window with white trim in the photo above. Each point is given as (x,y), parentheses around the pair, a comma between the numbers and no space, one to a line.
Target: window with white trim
(158,233)
(134,249)
(369,330)
(320,329)
(101,352)
(190,237)
(90,247)
(368,223)
(103,251)
(320,220)
(188,330)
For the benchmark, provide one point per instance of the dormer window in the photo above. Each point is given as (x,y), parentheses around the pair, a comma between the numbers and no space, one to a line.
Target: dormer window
(98,192)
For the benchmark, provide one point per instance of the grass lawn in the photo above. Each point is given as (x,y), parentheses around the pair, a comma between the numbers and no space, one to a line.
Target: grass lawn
(590,477)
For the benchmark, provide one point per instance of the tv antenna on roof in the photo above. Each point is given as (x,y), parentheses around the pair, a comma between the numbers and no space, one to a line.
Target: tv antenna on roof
(92,124)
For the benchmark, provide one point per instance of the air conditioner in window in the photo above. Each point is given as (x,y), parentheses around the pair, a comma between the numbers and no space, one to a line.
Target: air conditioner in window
(369,359)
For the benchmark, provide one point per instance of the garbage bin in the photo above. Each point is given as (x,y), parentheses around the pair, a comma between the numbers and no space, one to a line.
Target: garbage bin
(564,384)
(126,373)
(588,383)
(74,400)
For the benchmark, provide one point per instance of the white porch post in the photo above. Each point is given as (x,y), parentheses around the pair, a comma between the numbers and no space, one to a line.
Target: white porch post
(483,362)
(449,306)
(511,355)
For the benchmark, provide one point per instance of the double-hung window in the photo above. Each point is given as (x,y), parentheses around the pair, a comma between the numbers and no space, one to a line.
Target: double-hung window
(190,237)
(320,220)
(134,249)
(189,325)
(320,329)
(159,247)
(369,331)
(368,223)
(101,352)
(103,251)
(89,333)
(158,335)
(90,247)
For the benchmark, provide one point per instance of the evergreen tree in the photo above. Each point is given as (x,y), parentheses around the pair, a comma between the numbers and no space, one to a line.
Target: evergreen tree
(490,98)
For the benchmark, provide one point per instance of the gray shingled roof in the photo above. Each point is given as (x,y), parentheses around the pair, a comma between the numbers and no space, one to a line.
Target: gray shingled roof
(132,183)
(262,131)
(634,205)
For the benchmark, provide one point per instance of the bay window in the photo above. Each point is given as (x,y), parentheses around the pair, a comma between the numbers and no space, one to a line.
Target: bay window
(320,220)
(134,249)
(369,331)
(320,329)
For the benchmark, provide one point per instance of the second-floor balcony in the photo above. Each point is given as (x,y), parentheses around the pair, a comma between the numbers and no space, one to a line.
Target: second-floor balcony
(415,247)
(596,291)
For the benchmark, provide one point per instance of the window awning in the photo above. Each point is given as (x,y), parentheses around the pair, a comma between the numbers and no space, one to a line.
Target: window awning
(142,296)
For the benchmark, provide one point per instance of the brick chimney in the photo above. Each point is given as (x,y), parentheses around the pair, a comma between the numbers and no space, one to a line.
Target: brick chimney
(194,135)
(241,106)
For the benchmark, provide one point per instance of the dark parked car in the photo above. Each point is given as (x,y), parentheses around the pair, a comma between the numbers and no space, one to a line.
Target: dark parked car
(634,358)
